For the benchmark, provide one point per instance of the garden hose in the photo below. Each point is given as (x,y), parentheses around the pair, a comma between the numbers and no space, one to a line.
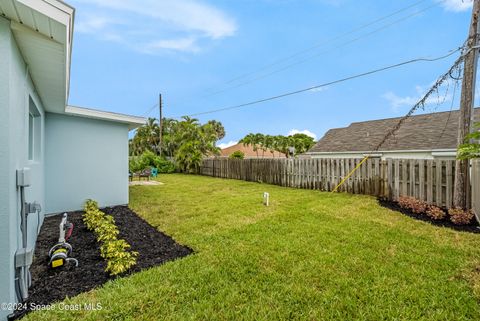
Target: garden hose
(60,252)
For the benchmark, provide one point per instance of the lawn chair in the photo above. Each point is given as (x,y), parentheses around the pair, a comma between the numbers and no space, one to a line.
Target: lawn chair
(130,176)
(145,173)
(154,172)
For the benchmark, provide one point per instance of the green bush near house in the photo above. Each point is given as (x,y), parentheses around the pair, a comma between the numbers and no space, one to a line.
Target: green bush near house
(113,250)
(149,159)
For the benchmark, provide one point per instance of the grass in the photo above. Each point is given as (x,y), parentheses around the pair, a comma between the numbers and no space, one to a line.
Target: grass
(310,255)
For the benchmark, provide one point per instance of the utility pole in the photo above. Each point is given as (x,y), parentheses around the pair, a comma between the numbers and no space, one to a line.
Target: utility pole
(160,124)
(462,171)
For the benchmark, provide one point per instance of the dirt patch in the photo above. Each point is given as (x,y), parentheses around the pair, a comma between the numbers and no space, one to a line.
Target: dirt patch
(51,285)
(472,227)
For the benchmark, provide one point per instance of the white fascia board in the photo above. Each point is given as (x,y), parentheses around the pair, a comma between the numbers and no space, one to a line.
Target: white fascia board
(444,153)
(56,10)
(132,121)
(388,151)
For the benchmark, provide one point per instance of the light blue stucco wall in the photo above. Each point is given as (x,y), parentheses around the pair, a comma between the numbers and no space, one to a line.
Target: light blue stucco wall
(16,88)
(85,158)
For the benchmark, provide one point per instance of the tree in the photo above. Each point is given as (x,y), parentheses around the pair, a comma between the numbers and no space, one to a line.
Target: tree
(195,142)
(187,141)
(146,138)
(302,143)
(282,144)
(250,140)
(218,128)
(471,148)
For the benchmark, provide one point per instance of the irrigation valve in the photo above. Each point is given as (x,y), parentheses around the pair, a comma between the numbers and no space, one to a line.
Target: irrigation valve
(266,199)
(60,252)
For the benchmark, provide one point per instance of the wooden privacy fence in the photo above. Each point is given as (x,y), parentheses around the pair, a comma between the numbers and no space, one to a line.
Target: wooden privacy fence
(428,180)
(476,187)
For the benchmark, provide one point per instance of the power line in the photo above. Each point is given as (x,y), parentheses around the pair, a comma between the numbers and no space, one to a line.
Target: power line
(351,31)
(324,84)
(421,103)
(321,53)
(299,53)
(150,110)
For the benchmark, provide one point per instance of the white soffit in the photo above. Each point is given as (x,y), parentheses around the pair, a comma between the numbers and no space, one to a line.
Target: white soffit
(132,121)
(43,32)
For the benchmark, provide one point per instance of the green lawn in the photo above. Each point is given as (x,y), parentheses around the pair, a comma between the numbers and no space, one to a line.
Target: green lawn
(310,255)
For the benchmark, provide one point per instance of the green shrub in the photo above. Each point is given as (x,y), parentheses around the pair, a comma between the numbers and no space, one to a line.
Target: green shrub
(119,260)
(106,230)
(112,249)
(238,154)
(149,159)
(164,166)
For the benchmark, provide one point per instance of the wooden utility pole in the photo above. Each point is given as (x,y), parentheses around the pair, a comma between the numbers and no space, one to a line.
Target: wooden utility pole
(462,171)
(160,124)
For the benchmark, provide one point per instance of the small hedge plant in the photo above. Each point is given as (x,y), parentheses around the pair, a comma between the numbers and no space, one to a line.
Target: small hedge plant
(436,213)
(460,216)
(112,249)
(411,203)
(457,215)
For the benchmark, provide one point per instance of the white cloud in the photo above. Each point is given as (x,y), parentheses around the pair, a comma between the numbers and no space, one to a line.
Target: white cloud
(182,44)
(92,24)
(225,145)
(319,89)
(154,26)
(305,131)
(398,102)
(456,5)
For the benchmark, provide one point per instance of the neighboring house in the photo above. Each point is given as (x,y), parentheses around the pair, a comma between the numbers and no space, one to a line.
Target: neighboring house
(426,136)
(66,154)
(249,152)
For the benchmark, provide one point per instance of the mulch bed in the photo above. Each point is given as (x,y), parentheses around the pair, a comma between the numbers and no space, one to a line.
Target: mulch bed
(472,227)
(51,285)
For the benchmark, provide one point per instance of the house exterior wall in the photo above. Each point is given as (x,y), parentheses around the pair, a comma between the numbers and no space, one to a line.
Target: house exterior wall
(85,158)
(16,90)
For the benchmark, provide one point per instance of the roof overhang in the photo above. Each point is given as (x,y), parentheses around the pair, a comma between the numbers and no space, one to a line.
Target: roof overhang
(132,121)
(43,30)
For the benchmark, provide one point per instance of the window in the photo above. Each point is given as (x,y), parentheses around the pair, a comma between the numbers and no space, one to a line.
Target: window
(31,128)
(34,132)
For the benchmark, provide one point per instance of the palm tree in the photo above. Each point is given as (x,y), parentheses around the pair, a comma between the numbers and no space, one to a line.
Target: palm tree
(257,142)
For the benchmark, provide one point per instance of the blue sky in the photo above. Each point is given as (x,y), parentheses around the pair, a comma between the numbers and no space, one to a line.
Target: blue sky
(204,54)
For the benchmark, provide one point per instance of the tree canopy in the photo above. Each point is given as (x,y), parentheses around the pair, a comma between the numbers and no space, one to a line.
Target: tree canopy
(186,141)
(300,143)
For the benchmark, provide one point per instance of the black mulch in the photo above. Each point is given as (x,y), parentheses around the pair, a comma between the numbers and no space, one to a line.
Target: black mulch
(51,285)
(473,227)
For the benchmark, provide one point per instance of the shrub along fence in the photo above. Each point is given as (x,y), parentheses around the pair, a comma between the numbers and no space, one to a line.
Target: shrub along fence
(428,180)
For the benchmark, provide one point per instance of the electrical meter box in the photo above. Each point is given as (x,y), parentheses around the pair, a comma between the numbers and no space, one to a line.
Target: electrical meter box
(23,177)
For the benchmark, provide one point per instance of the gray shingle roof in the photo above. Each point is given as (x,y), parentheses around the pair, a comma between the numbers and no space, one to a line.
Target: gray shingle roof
(421,132)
